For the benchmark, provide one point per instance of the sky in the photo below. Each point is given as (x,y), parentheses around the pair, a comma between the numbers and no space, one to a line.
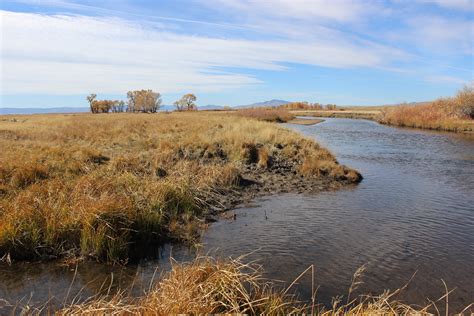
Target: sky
(233,52)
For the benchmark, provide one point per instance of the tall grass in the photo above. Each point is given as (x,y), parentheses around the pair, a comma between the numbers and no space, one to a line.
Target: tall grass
(112,187)
(450,114)
(268,115)
(209,286)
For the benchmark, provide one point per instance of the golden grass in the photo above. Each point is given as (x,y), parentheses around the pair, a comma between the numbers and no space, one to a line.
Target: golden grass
(209,286)
(341,113)
(450,114)
(111,187)
(268,115)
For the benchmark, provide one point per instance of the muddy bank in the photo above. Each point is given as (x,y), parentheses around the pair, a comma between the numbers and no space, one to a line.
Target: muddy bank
(282,177)
(305,121)
(118,186)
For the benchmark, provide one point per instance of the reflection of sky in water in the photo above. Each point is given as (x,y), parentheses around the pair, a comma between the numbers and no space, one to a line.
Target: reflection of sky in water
(413,211)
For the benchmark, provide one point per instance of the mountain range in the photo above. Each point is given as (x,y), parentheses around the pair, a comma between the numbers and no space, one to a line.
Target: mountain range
(273,102)
(43,110)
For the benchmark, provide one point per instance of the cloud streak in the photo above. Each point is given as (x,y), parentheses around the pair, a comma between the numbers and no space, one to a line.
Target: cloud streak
(59,54)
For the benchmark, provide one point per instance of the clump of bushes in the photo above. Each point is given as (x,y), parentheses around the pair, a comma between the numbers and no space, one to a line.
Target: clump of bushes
(452,114)
(268,115)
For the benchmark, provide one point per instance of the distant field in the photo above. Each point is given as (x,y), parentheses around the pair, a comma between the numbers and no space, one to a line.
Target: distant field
(355,114)
(453,114)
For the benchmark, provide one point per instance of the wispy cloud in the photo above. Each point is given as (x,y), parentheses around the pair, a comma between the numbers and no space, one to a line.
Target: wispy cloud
(341,11)
(76,54)
(441,33)
(76,47)
(452,4)
(446,79)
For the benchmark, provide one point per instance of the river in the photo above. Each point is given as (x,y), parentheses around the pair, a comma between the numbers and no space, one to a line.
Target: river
(411,216)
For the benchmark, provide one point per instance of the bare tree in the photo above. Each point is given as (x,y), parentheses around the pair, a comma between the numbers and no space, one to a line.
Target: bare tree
(91,98)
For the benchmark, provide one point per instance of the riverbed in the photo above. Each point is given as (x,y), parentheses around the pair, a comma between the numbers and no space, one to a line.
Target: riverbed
(412,217)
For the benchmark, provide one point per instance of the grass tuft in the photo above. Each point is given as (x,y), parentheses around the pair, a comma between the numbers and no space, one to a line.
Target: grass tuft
(210,286)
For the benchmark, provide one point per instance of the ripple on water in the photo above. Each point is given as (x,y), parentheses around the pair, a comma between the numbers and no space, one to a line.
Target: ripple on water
(413,212)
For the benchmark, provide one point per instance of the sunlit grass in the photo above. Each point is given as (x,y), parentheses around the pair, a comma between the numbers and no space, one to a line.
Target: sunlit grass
(209,286)
(111,186)
(268,115)
(451,114)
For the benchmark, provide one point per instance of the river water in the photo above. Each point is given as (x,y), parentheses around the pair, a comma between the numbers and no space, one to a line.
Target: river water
(411,216)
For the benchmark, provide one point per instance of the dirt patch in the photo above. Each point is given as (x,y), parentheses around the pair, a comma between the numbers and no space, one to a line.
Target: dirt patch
(281,177)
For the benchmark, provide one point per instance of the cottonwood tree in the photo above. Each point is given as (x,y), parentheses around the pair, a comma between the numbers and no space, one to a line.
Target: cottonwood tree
(104,106)
(143,101)
(186,103)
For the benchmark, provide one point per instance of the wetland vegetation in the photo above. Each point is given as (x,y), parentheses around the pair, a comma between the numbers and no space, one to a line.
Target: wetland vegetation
(455,114)
(112,186)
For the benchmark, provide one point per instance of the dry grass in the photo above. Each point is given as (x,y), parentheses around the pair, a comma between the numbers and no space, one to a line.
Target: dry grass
(268,115)
(342,113)
(450,114)
(209,286)
(111,187)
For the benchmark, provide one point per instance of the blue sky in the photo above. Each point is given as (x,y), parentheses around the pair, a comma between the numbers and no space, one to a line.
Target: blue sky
(232,52)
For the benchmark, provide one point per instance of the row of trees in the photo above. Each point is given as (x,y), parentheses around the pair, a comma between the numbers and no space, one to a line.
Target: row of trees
(307,106)
(186,103)
(105,106)
(145,101)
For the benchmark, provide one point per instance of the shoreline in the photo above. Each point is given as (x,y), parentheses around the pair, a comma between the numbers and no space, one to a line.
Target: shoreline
(458,126)
(254,182)
(257,182)
(297,121)
(144,190)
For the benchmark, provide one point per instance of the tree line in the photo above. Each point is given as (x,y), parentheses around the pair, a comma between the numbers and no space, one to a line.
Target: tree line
(145,101)
(307,106)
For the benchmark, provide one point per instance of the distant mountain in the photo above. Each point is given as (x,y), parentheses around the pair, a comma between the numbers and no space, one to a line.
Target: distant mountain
(211,107)
(200,107)
(273,102)
(42,110)
(164,108)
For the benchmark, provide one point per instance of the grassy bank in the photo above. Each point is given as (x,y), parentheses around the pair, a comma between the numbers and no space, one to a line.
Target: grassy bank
(208,286)
(113,186)
(454,114)
(267,115)
(341,113)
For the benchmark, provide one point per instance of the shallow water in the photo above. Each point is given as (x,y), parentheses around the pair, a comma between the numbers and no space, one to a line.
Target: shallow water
(413,212)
